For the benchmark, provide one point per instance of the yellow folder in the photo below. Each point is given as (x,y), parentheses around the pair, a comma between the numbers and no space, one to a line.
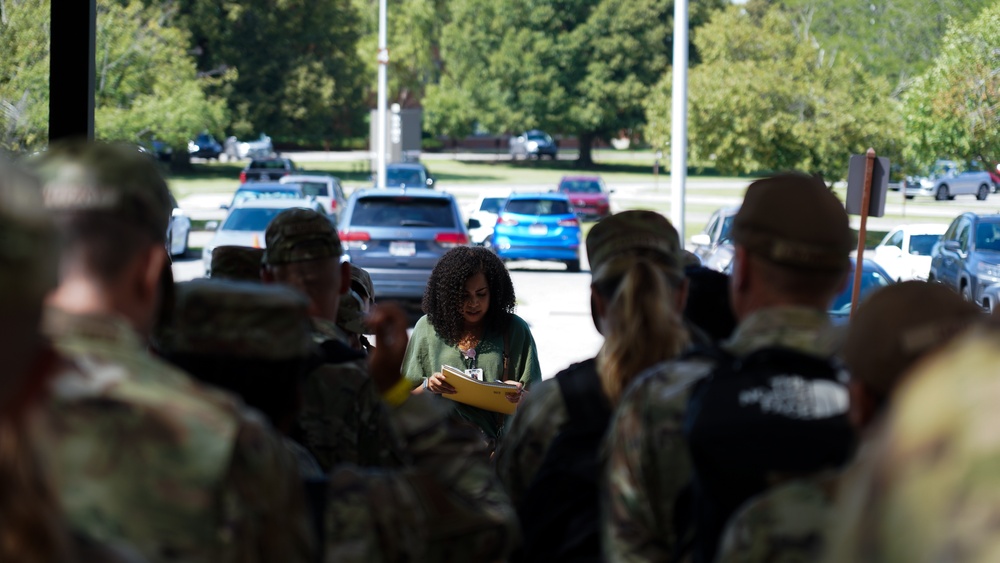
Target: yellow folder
(491,396)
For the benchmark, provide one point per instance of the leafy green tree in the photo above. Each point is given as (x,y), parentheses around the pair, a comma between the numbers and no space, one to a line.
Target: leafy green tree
(952,109)
(766,97)
(579,67)
(24,74)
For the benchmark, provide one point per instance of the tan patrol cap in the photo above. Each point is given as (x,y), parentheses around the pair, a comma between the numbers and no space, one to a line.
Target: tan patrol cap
(899,324)
(794,220)
(298,235)
(239,320)
(360,277)
(114,179)
(632,231)
(238,263)
(29,253)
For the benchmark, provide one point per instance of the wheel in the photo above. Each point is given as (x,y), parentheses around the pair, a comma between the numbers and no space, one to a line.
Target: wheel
(488,243)
(909,197)
(966,293)
(573,265)
(984,191)
(942,192)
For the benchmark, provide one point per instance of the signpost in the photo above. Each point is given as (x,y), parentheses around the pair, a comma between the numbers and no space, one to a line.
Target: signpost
(867,183)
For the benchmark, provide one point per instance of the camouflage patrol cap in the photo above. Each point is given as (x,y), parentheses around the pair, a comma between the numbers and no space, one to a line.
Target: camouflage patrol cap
(29,252)
(350,314)
(362,280)
(297,235)
(636,231)
(898,325)
(239,263)
(112,179)
(239,320)
(794,220)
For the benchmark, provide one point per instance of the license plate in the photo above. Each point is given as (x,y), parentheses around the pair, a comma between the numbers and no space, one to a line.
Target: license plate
(265,177)
(402,248)
(538,229)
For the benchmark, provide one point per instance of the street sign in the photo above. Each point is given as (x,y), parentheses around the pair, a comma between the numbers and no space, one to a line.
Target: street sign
(856,186)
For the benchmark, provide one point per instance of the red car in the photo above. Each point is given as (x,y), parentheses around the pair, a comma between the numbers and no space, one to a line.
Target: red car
(587,195)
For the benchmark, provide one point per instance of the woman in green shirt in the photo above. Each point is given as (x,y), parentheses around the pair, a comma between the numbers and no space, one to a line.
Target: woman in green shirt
(469,323)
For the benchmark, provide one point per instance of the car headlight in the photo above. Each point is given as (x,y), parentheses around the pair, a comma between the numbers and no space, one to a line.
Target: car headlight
(988,272)
(927,183)
(532,145)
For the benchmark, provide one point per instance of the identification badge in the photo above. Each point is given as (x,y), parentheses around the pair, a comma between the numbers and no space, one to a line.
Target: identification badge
(476,374)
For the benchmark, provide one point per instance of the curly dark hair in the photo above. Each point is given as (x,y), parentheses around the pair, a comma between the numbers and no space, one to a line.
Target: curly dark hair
(446,288)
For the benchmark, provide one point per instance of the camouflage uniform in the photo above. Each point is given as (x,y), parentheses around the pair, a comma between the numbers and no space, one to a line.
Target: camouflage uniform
(138,450)
(342,419)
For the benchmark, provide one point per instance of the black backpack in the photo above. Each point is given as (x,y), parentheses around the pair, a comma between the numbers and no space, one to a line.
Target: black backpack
(560,517)
(776,411)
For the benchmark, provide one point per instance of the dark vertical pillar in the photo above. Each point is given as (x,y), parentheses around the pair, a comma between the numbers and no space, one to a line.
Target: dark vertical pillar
(71,70)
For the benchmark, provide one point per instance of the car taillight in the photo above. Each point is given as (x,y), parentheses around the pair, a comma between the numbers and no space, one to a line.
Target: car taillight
(568,223)
(354,239)
(506,222)
(243,177)
(451,240)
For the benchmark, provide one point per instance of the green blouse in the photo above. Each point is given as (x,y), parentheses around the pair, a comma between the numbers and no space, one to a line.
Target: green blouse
(427,352)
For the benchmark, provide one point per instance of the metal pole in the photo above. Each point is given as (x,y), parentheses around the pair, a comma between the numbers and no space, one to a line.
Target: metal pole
(383,62)
(866,195)
(71,69)
(678,129)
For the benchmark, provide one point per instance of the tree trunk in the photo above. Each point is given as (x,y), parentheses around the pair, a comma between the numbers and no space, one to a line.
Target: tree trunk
(586,159)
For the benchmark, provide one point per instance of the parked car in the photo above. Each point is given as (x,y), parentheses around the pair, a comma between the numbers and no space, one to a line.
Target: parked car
(398,235)
(716,234)
(408,175)
(873,277)
(245,224)
(485,211)
(945,180)
(325,188)
(967,258)
(178,230)
(533,144)
(588,196)
(204,146)
(905,252)
(234,149)
(265,169)
(538,227)
(265,190)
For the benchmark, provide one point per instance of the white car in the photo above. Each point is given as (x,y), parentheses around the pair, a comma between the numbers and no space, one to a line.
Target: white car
(485,211)
(325,188)
(246,223)
(178,230)
(905,252)
(945,180)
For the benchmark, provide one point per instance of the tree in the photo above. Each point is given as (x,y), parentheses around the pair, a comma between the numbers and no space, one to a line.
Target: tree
(767,98)
(952,109)
(24,74)
(581,67)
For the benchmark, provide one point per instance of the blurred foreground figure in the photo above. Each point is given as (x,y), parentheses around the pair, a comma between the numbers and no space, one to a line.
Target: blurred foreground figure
(139,451)
(891,331)
(239,263)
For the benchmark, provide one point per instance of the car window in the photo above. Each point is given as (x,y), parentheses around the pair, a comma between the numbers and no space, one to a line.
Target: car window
(491,204)
(963,236)
(402,211)
(538,207)
(713,224)
(580,186)
(268,164)
(988,236)
(249,219)
(247,195)
(727,229)
(539,137)
(896,240)
(921,245)
(314,189)
(870,281)
(405,177)
(952,229)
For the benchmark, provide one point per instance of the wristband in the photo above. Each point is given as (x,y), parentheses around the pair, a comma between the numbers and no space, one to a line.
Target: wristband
(398,393)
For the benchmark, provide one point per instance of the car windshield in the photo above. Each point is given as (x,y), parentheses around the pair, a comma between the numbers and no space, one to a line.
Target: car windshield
(988,236)
(251,194)
(404,177)
(268,164)
(403,212)
(491,204)
(537,207)
(314,189)
(921,245)
(249,219)
(540,137)
(870,281)
(727,229)
(942,168)
(581,186)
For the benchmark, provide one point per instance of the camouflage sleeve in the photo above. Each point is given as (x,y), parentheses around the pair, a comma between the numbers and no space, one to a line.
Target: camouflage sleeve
(533,428)
(648,466)
(377,442)
(263,506)
(447,506)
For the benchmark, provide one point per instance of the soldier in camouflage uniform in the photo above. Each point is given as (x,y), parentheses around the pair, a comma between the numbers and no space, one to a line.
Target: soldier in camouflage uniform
(342,419)
(792,241)
(139,451)
(354,307)
(887,335)
(240,263)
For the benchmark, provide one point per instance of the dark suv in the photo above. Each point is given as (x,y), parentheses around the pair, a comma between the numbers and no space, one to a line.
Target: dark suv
(398,235)
(967,258)
(533,144)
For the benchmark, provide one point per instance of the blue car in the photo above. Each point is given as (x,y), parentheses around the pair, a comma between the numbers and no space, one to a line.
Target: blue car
(967,257)
(538,227)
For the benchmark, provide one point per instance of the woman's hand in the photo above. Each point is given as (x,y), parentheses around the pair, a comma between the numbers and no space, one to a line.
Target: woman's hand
(437,384)
(516,397)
